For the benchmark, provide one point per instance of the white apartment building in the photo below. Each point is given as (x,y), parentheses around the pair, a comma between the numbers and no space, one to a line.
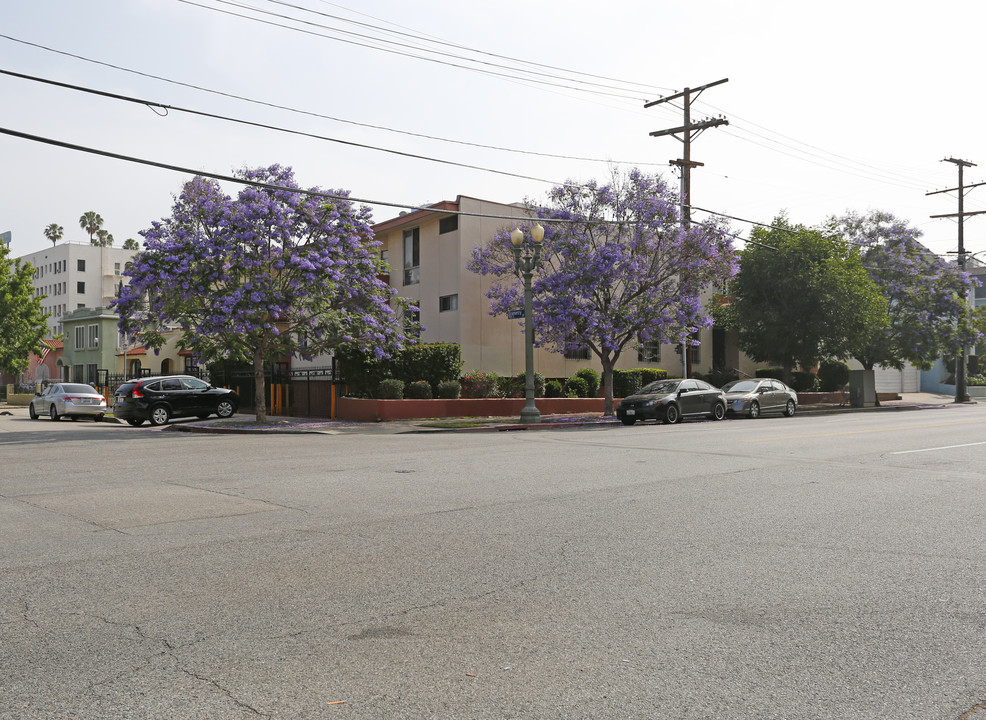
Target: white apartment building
(72,275)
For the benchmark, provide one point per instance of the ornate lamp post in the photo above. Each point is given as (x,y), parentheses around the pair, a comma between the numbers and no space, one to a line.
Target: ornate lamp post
(527,258)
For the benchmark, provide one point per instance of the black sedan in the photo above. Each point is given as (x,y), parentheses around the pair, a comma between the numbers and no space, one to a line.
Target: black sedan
(158,399)
(759,395)
(671,400)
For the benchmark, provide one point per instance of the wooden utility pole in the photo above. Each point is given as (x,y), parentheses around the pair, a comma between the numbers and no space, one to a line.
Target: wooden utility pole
(961,391)
(687,132)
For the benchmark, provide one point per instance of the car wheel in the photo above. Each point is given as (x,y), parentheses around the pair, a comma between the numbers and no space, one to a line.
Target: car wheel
(672,415)
(225,409)
(135,422)
(159,415)
(32,412)
(754,409)
(628,421)
(53,413)
(790,408)
(719,411)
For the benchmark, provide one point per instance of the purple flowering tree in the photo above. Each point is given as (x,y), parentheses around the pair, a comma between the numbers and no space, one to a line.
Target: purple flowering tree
(618,270)
(926,296)
(271,272)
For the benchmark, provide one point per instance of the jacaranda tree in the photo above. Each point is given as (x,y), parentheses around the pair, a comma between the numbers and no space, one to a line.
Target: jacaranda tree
(269,273)
(928,314)
(619,270)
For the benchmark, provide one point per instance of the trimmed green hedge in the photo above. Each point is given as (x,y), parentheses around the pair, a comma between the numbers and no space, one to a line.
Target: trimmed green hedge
(432,362)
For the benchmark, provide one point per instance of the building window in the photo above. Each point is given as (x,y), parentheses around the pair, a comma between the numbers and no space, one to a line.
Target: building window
(77,373)
(412,256)
(582,354)
(80,287)
(412,323)
(92,376)
(116,268)
(81,266)
(80,338)
(94,336)
(448,302)
(649,352)
(448,224)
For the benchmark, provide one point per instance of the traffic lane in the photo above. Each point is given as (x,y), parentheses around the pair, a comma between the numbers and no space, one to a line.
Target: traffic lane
(537,573)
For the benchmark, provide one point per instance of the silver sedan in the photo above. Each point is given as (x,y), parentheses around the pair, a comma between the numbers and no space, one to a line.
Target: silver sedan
(72,400)
(759,395)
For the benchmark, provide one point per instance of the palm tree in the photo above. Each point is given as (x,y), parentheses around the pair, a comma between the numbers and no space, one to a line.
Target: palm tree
(91,222)
(105,239)
(54,233)
(131,244)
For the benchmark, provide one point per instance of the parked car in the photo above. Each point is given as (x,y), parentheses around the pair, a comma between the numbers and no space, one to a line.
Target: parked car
(759,395)
(672,400)
(72,400)
(158,399)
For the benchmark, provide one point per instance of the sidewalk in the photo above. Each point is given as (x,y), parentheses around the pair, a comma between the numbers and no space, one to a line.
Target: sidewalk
(244,423)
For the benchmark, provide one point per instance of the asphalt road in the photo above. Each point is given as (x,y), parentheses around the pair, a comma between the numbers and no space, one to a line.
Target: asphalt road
(814,567)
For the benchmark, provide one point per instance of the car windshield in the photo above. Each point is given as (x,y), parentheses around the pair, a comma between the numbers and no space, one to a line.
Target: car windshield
(78,389)
(659,387)
(741,386)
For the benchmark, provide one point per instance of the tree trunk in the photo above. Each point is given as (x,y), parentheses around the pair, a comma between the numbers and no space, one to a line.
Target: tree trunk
(259,390)
(607,363)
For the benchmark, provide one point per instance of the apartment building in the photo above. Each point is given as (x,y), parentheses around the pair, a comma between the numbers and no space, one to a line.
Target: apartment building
(427,251)
(73,275)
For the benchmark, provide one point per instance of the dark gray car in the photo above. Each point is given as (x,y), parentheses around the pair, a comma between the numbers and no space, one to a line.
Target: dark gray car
(756,396)
(671,400)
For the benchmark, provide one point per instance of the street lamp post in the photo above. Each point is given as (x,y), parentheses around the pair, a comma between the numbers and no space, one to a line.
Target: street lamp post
(527,258)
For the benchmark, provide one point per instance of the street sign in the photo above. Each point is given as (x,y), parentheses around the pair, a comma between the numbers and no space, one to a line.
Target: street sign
(515,314)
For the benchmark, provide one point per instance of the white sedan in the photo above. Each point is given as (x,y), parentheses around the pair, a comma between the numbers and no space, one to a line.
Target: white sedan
(72,400)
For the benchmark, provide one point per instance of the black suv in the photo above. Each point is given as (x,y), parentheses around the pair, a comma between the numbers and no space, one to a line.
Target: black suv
(159,399)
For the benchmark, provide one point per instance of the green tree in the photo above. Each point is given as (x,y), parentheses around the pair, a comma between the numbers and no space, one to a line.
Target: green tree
(23,324)
(54,233)
(103,238)
(801,296)
(131,244)
(91,222)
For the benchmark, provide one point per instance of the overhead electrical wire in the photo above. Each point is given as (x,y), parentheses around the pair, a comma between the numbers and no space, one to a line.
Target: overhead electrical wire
(200,113)
(493,73)
(321,116)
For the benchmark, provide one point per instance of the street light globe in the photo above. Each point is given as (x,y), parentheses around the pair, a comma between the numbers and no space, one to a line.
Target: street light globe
(517,237)
(537,233)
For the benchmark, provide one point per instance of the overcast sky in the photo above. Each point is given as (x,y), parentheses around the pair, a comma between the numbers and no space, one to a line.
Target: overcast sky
(831,106)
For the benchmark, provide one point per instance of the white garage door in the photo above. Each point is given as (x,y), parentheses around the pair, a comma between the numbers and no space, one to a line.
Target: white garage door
(889,380)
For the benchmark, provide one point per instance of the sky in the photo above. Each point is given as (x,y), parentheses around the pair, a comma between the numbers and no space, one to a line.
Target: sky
(832,107)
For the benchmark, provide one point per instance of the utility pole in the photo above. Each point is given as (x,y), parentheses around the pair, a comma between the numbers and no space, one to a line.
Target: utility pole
(687,132)
(961,391)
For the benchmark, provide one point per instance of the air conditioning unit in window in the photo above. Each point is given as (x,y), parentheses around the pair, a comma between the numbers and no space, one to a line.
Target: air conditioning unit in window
(94,343)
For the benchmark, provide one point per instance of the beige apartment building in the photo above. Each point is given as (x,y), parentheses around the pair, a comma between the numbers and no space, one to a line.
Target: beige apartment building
(427,251)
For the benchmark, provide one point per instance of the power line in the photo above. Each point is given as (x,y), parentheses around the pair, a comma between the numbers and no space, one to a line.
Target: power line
(152,103)
(396,52)
(309,113)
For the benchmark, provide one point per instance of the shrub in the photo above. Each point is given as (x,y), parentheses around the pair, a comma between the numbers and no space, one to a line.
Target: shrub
(433,362)
(626,382)
(592,379)
(832,375)
(649,375)
(418,390)
(976,380)
(803,381)
(576,387)
(449,390)
(772,372)
(517,385)
(390,389)
(718,377)
(554,389)
(481,385)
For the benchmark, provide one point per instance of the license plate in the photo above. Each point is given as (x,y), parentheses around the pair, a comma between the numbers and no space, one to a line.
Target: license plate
(631,412)
(119,398)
